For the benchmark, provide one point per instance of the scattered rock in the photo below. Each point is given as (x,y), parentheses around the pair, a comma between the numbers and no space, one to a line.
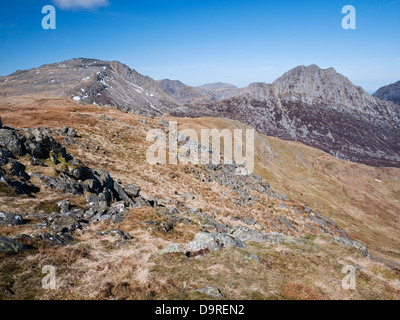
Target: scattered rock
(276,238)
(132,190)
(64,205)
(172,248)
(61,239)
(10,246)
(164,123)
(122,194)
(10,219)
(188,195)
(213,241)
(287,224)
(245,234)
(251,257)
(71,133)
(250,221)
(117,233)
(211,291)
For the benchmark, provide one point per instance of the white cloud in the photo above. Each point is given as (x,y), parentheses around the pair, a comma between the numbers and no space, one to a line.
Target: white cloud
(80,4)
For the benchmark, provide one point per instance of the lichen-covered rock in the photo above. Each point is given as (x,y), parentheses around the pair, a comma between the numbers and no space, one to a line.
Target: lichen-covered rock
(10,246)
(211,291)
(203,241)
(172,248)
(245,234)
(251,257)
(213,241)
(34,149)
(277,238)
(10,141)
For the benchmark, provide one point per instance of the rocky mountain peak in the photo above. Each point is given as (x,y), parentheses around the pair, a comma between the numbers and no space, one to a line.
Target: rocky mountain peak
(321,108)
(312,85)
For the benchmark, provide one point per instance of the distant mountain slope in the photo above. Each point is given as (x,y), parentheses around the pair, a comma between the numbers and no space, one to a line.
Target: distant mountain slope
(107,83)
(320,108)
(390,92)
(220,90)
(91,81)
(183,93)
(203,94)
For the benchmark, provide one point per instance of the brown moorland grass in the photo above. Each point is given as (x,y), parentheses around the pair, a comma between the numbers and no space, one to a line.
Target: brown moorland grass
(104,267)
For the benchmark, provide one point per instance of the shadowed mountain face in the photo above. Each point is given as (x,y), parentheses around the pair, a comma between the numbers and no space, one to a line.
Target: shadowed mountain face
(317,107)
(390,93)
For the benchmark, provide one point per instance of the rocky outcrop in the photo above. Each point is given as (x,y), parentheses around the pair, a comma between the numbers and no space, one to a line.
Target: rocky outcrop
(106,199)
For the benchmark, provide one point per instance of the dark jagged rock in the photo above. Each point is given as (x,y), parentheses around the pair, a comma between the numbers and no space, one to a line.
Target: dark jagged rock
(132,190)
(4,156)
(10,246)
(122,194)
(9,140)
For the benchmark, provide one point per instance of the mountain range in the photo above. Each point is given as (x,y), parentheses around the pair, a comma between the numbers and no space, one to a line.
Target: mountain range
(318,107)
(77,191)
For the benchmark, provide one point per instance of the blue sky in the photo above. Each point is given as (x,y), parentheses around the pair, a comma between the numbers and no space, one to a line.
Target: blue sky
(199,42)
